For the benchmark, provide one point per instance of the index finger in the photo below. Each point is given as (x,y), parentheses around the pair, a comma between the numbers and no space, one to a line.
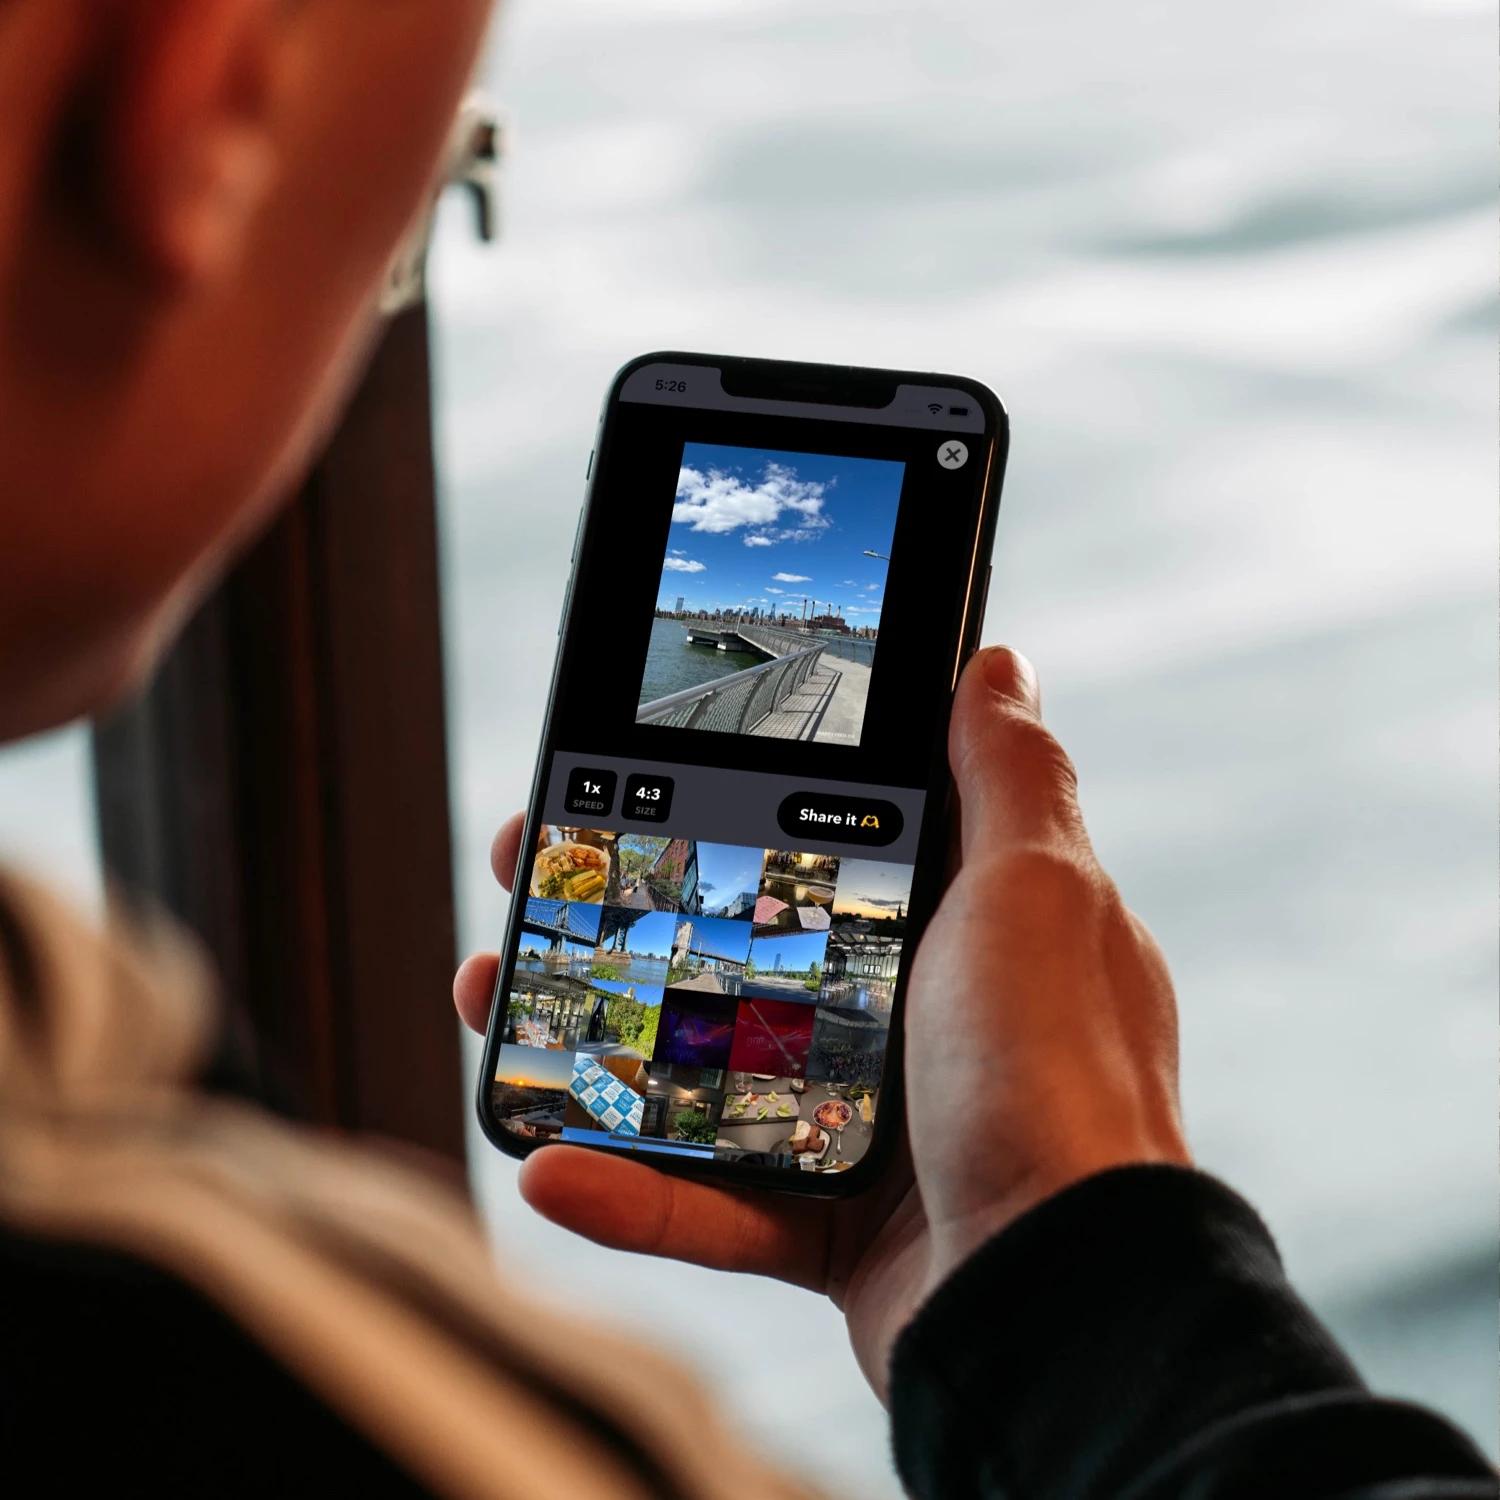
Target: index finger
(627,1205)
(505,850)
(1016,785)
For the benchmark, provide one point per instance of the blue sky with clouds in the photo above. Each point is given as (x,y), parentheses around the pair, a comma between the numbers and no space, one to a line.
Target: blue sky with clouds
(724,870)
(758,527)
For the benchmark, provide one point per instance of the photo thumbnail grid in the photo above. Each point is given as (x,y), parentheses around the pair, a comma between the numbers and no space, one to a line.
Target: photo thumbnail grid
(715,999)
(768,608)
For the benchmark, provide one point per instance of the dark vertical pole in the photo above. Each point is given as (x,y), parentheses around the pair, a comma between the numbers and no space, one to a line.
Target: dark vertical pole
(282,783)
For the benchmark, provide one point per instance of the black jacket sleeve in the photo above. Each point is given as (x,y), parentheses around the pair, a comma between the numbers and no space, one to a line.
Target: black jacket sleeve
(1135,1338)
(116,1379)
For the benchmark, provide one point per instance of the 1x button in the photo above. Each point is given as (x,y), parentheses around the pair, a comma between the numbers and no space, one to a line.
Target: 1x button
(590,793)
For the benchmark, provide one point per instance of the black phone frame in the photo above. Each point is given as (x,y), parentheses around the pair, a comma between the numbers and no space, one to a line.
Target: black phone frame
(815,385)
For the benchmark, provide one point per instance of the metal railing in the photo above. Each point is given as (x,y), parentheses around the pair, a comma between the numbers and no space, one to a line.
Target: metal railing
(782,641)
(737,703)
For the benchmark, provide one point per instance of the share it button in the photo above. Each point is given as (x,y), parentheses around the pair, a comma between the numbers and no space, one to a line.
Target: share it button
(839,819)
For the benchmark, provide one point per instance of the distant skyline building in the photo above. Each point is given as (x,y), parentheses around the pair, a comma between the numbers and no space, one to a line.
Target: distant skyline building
(680,602)
(742,905)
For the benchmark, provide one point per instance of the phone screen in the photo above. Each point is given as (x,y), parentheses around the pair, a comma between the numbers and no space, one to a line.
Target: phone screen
(736,829)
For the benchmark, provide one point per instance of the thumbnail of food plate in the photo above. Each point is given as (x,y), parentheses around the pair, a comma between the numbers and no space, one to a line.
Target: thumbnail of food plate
(573,864)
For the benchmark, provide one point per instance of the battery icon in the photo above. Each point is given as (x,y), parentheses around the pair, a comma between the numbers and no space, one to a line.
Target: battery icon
(958,411)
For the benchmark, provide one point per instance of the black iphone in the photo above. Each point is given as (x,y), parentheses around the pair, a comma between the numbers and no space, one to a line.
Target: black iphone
(738,823)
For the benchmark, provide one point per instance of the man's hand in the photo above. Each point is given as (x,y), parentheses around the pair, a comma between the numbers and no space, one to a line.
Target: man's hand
(1041,1047)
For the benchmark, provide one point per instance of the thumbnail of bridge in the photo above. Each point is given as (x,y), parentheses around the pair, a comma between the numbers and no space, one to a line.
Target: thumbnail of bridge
(563,922)
(690,952)
(796,694)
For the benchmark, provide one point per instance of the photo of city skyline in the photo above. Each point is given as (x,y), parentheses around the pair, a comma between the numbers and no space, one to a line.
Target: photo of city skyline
(758,529)
(768,606)
(782,964)
(872,889)
(557,934)
(534,1067)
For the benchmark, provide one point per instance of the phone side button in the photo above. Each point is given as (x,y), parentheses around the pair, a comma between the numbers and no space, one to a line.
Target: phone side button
(984,604)
(562,614)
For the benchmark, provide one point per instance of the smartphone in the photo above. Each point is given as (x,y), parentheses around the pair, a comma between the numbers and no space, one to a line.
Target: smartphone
(739,819)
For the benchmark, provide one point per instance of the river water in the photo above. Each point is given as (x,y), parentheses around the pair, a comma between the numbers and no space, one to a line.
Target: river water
(627,970)
(673,666)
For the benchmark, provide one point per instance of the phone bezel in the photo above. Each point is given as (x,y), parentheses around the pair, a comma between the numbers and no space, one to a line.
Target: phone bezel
(930,878)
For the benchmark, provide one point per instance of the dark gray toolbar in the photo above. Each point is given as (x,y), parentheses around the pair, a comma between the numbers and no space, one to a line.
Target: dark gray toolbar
(748,808)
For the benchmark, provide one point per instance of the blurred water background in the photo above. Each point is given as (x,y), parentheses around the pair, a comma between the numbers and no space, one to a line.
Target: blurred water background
(1231,268)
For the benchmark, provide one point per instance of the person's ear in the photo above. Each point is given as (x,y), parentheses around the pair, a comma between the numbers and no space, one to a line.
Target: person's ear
(189,152)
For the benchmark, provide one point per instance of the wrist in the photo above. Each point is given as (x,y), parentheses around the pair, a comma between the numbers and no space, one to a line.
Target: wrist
(960,1233)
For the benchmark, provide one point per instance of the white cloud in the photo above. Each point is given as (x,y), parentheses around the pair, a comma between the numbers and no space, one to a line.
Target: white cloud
(718,502)
(682,565)
(759,541)
(791,577)
(770,590)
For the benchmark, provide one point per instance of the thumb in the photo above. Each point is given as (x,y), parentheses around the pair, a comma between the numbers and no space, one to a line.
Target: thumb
(1016,785)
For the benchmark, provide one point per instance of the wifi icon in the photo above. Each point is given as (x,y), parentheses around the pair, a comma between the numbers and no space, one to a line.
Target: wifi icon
(934,407)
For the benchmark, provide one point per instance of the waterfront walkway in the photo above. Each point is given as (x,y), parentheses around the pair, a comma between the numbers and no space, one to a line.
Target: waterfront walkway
(827,706)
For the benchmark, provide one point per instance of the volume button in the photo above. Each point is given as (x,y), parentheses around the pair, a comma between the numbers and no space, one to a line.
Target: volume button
(984,599)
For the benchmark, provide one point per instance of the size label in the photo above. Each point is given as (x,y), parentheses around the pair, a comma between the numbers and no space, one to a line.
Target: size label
(648,798)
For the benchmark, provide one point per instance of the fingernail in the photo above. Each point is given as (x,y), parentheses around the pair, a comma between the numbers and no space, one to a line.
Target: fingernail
(1009,673)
